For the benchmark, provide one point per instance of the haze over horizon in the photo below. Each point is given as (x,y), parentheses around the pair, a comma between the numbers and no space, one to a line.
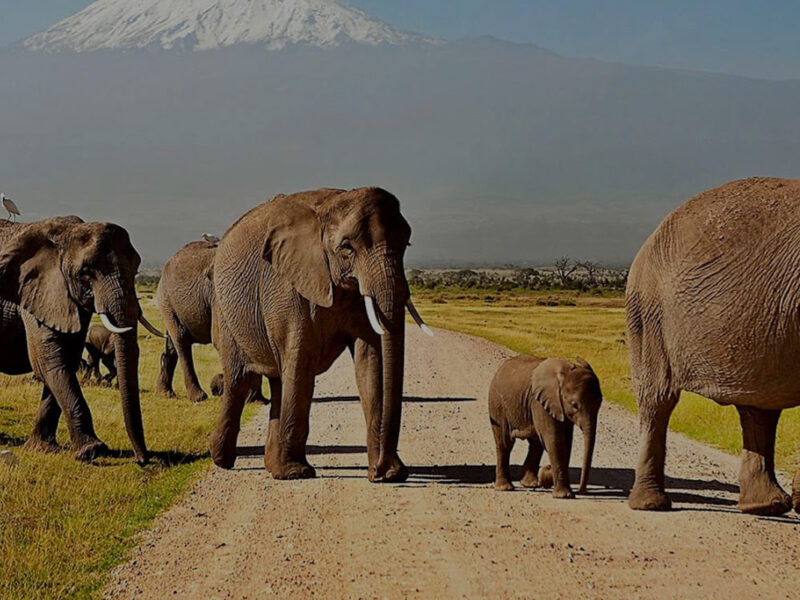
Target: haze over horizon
(499,153)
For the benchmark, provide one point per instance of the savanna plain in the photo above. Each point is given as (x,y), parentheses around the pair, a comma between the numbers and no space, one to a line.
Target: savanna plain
(64,525)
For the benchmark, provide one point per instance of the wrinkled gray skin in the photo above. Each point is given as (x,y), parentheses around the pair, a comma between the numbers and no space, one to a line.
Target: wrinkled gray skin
(290,279)
(713,308)
(99,350)
(184,297)
(540,400)
(54,274)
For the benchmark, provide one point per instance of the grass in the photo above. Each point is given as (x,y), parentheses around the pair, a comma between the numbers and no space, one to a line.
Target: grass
(593,327)
(64,524)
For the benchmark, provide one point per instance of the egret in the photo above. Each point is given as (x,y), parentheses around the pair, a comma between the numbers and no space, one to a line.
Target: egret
(211,239)
(10,207)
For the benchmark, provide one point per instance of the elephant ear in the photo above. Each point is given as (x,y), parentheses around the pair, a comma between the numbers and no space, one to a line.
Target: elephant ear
(31,276)
(546,382)
(294,249)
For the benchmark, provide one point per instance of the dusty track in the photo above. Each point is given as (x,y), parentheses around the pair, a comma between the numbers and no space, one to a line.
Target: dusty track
(446,533)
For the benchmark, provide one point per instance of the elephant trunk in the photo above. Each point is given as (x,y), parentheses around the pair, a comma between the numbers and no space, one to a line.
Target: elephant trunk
(121,310)
(589,432)
(126,348)
(390,294)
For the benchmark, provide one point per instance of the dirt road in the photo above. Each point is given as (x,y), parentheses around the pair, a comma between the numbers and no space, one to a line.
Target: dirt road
(446,533)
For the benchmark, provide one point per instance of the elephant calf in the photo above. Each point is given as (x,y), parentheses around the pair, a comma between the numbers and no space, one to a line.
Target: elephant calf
(540,400)
(100,349)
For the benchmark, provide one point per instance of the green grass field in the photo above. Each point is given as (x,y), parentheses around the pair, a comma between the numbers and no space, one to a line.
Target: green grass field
(64,524)
(593,327)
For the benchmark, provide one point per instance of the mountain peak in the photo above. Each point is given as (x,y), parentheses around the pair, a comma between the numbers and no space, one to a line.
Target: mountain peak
(212,24)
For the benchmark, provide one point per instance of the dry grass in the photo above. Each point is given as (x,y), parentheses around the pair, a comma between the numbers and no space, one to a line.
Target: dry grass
(592,327)
(63,524)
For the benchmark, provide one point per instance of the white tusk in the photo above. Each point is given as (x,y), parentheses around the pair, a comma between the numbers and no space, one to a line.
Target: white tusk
(415,315)
(111,327)
(373,318)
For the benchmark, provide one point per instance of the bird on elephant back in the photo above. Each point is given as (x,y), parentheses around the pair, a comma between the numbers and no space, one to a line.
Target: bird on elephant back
(713,307)
(54,275)
(184,297)
(298,280)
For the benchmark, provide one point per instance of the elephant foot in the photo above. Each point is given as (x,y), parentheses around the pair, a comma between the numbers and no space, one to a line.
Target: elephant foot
(197,396)
(772,501)
(90,450)
(503,485)
(164,391)
(293,470)
(563,494)
(223,454)
(546,477)
(529,480)
(40,444)
(391,471)
(643,498)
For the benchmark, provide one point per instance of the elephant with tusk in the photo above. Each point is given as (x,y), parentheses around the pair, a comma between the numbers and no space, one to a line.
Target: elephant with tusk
(54,274)
(298,280)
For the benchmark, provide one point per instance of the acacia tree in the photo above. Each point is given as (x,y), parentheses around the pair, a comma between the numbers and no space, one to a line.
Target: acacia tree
(565,267)
(591,269)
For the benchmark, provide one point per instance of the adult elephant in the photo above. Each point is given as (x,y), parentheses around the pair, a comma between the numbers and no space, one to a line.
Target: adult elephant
(54,274)
(298,280)
(184,296)
(713,305)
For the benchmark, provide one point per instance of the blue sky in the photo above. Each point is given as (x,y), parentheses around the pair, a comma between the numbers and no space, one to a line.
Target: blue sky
(745,37)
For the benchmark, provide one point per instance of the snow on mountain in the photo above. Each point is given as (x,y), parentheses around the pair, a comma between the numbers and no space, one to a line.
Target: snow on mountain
(210,24)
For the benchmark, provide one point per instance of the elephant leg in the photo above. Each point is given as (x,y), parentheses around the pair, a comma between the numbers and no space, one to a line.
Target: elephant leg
(648,491)
(367,359)
(530,478)
(557,439)
(297,387)
(504,443)
(271,448)
(43,437)
(169,360)
(110,364)
(796,491)
(64,386)
(238,384)
(759,491)
(193,389)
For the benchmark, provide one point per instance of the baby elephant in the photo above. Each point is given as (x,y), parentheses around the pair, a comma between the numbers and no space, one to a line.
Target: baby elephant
(540,400)
(99,349)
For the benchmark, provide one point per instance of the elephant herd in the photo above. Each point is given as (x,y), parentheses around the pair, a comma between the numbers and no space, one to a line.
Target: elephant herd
(713,307)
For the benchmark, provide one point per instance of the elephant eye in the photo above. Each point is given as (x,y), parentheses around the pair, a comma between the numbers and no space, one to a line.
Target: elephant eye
(346,247)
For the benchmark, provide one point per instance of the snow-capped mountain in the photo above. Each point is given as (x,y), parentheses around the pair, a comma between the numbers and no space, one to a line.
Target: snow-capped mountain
(210,24)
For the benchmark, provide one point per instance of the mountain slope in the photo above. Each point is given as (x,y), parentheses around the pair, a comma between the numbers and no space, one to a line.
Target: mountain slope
(210,24)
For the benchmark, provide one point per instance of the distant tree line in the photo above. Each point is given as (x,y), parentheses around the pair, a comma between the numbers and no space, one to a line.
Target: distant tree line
(565,274)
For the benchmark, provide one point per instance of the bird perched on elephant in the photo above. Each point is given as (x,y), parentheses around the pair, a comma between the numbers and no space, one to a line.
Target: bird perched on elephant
(713,307)
(184,298)
(100,350)
(540,400)
(54,274)
(298,280)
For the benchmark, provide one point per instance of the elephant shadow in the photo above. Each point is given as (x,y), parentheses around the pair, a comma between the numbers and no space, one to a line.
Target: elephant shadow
(406,399)
(160,458)
(11,441)
(614,483)
(250,451)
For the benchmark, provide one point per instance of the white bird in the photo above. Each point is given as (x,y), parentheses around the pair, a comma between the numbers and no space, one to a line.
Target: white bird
(9,205)
(211,239)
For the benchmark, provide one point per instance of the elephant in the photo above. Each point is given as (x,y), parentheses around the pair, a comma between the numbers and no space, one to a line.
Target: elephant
(184,298)
(712,308)
(299,279)
(99,349)
(540,400)
(54,274)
